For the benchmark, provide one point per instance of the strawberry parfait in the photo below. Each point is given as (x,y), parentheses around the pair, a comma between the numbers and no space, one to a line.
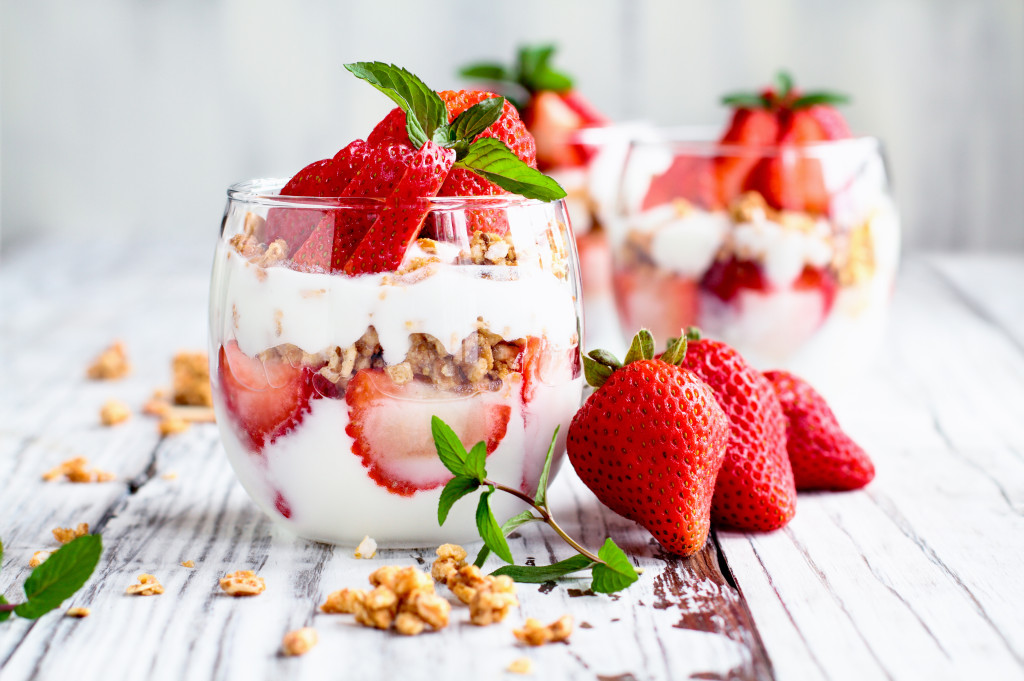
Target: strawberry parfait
(426,271)
(780,238)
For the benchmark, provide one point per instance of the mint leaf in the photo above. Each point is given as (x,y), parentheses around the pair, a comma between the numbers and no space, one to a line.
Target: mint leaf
(507,528)
(1,554)
(595,372)
(476,119)
(449,448)
(816,98)
(455,489)
(60,576)
(538,574)
(616,574)
(492,160)
(424,109)
(642,347)
(541,498)
(476,461)
(785,83)
(487,526)
(745,100)
(486,71)
(548,79)
(4,614)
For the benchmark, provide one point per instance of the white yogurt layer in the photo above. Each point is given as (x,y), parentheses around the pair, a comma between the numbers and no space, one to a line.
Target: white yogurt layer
(266,307)
(688,244)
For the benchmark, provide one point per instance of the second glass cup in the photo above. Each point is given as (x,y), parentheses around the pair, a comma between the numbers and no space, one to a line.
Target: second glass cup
(325,383)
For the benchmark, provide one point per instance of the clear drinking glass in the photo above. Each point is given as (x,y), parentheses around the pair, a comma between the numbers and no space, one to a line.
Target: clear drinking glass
(788,253)
(325,383)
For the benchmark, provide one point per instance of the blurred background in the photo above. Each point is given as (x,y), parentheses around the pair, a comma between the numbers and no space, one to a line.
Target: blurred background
(129,118)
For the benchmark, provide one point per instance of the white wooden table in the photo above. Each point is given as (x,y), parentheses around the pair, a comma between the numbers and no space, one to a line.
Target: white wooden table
(917,577)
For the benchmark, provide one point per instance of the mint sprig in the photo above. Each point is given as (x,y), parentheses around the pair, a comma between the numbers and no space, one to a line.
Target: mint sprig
(57,578)
(426,118)
(610,568)
(531,72)
(784,97)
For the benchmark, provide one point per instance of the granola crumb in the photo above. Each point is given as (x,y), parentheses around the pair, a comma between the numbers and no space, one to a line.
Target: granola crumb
(38,557)
(489,598)
(242,583)
(110,364)
(157,406)
(450,557)
(170,475)
(188,563)
(300,641)
(172,425)
(534,633)
(343,601)
(66,534)
(191,372)
(77,470)
(522,665)
(367,548)
(148,586)
(403,599)
(78,612)
(114,412)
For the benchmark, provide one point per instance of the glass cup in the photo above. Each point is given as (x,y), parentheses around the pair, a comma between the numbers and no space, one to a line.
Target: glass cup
(325,383)
(788,253)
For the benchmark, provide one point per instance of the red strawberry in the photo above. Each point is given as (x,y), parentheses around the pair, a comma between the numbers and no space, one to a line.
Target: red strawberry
(553,119)
(667,300)
(688,177)
(384,244)
(315,253)
(390,427)
(755,489)
(726,278)
(822,455)
(749,128)
(649,443)
(264,400)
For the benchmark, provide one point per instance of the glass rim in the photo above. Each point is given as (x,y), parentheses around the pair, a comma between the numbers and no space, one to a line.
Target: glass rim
(701,141)
(264,192)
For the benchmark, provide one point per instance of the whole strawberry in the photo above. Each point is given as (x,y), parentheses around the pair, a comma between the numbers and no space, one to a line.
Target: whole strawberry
(755,490)
(649,442)
(822,455)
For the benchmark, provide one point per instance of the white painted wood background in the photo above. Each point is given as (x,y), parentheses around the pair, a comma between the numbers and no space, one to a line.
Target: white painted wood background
(917,577)
(108,103)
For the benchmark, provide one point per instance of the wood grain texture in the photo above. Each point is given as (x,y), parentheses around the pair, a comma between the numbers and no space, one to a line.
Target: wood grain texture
(916,577)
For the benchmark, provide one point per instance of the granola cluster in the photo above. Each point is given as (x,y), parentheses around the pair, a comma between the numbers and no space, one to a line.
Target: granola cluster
(148,586)
(77,470)
(242,583)
(489,598)
(300,641)
(114,412)
(111,364)
(191,371)
(249,244)
(38,558)
(488,248)
(66,534)
(534,633)
(403,598)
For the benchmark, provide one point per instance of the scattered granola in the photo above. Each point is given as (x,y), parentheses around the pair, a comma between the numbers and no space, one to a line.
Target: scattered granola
(191,372)
(521,665)
(242,583)
(77,470)
(38,557)
(66,534)
(188,564)
(111,364)
(489,598)
(300,641)
(536,634)
(78,612)
(114,412)
(343,601)
(170,475)
(450,557)
(367,548)
(402,598)
(148,586)
(172,425)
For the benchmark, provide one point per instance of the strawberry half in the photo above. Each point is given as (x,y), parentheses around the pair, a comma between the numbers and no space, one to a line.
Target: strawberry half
(755,489)
(390,427)
(822,455)
(264,400)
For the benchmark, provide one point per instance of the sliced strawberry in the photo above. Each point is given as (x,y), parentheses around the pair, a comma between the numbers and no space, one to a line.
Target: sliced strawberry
(390,427)
(315,254)
(282,505)
(658,299)
(726,278)
(688,177)
(553,122)
(581,105)
(748,128)
(822,279)
(385,242)
(264,400)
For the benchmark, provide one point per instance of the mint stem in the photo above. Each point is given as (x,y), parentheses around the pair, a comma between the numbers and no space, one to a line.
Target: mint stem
(546,517)
(8,607)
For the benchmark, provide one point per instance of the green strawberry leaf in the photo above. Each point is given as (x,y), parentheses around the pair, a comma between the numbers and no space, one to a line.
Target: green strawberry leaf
(676,352)
(784,81)
(745,100)
(476,461)
(60,576)
(616,573)
(492,160)
(490,532)
(816,98)
(449,448)
(595,372)
(606,358)
(455,489)
(538,574)
(486,71)
(531,58)
(474,121)
(4,614)
(424,109)
(548,79)
(507,528)
(642,347)
(541,498)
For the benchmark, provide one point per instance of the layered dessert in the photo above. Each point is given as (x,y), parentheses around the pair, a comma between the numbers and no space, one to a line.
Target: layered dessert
(382,287)
(779,239)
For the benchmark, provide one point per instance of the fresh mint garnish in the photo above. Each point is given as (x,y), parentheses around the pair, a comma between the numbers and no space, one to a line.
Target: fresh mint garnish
(744,100)
(816,98)
(784,97)
(610,568)
(492,160)
(532,72)
(486,71)
(426,118)
(57,578)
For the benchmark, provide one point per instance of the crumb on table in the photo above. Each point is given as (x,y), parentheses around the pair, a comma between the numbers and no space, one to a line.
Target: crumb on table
(191,372)
(110,364)
(77,470)
(300,641)
(114,412)
(536,634)
(521,665)
(66,534)
(242,583)
(148,586)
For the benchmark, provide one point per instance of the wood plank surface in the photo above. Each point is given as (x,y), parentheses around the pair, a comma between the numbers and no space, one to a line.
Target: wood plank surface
(916,577)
